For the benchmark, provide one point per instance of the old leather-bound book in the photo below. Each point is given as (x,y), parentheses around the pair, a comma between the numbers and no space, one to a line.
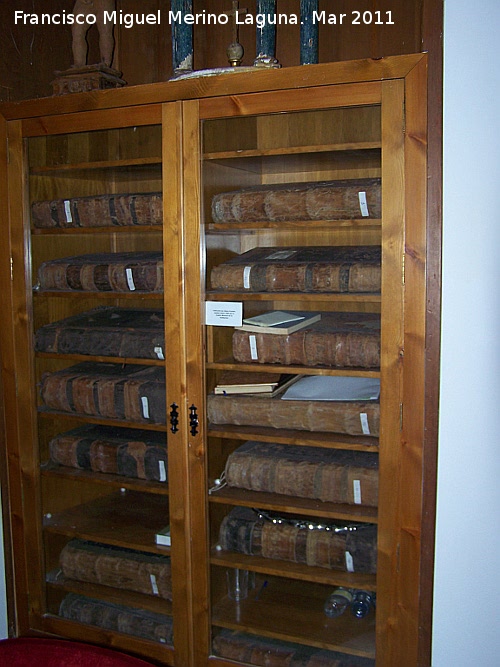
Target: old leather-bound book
(352,548)
(133,393)
(118,618)
(349,340)
(320,269)
(336,476)
(99,211)
(125,569)
(104,272)
(328,200)
(345,417)
(112,450)
(106,331)
(266,652)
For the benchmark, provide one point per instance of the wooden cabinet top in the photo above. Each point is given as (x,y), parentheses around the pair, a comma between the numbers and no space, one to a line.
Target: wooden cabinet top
(304,76)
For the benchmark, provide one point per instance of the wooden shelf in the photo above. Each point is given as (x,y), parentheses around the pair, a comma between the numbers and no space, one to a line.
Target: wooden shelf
(230,364)
(37,293)
(100,359)
(292,504)
(126,519)
(125,229)
(332,298)
(355,223)
(357,147)
(58,582)
(280,568)
(93,165)
(289,437)
(44,412)
(285,612)
(112,481)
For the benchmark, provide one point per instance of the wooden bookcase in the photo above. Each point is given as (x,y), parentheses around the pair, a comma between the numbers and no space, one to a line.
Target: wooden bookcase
(191,140)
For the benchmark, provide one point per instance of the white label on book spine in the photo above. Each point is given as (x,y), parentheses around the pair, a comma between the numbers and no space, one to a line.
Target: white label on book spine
(145,407)
(363,204)
(159,352)
(365,427)
(349,562)
(253,348)
(246,277)
(154,585)
(163,473)
(130,279)
(356,490)
(67,210)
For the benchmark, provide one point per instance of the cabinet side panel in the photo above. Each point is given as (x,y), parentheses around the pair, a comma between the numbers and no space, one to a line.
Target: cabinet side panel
(417,487)
(6,342)
(391,492)
(20,389)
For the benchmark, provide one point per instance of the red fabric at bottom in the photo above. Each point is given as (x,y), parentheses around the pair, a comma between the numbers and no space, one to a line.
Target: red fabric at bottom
(34,652)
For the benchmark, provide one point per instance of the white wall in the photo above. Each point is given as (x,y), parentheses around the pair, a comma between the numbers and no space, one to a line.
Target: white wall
(467,575)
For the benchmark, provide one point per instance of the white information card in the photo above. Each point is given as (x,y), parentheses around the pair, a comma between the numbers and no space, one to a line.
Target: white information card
(224,313)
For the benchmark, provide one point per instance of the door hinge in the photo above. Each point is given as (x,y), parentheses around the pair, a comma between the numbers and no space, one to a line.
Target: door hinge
(400,416)
(403,269)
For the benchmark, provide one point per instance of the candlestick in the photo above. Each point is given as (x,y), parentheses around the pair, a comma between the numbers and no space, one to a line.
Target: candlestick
(266,34)
(182,37)
(308,32)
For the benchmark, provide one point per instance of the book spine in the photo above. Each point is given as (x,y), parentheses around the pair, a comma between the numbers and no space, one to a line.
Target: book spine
(137,400)
(117,618)
(309,277)
(110,567)
(318,548)
(334,201)
(308,348)
(112,210)
(107,276)
(351,418)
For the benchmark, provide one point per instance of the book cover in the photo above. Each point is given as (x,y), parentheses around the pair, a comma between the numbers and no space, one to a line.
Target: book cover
(279,322)
(332,388)
(241,382)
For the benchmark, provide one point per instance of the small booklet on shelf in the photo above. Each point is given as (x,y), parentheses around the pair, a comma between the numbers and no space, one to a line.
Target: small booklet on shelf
(241,382)
(279,322)
(163,537)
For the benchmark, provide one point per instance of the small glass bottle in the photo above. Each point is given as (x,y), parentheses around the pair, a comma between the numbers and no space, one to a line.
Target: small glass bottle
(362,602)
(337,602)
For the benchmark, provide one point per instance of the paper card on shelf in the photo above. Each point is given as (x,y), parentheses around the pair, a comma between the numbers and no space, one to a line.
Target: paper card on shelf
(224,313)
(333,388)
(163,537)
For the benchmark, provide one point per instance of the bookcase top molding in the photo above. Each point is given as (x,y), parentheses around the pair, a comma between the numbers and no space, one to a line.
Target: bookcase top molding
(355,71)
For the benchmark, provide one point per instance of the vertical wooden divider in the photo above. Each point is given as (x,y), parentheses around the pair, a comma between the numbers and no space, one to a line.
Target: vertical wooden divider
(195,347)
(175,334)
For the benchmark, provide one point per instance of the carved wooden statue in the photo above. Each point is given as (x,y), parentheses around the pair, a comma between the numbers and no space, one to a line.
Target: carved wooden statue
(79,32)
